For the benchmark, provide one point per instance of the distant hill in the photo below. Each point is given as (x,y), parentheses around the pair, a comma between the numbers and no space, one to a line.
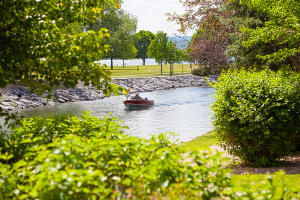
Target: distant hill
(182,42)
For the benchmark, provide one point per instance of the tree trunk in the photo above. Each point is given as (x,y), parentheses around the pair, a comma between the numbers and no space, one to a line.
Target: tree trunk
(144,61)
(111,63)
(182,67)
(161,67)
(123,63)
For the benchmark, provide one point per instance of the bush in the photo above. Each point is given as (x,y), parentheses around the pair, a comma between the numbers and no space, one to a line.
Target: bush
(40,131)
(257,114)
(205,71)
(89,158)
(201,71)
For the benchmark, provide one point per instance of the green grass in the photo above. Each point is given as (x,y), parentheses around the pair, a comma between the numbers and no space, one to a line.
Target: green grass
(290,181)
(202,142)
(149,70)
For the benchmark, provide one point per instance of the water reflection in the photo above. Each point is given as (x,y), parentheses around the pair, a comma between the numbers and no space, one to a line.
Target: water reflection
(183,111)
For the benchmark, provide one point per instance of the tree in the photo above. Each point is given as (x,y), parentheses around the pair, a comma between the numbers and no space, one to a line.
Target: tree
(129,53)
(144,39)
(280,32)
(239,16)
(37,51)
(174,55)
(208,47)
(183,56)
(158,49)
(125,35)
(209,43)
(121,26)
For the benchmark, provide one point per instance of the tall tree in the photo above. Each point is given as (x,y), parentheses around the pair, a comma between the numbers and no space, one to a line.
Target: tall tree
(280,32)
(242,16)
(39,51)
(129,52)
(158,49)
(144,39)
(35,44)
(208,44)
(121,26)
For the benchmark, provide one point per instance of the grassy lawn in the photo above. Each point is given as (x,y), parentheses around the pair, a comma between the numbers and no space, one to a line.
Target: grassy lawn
(290,181)
(149,70)
(203,142)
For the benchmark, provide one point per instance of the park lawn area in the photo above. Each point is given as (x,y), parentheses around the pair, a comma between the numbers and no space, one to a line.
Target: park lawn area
(149,70)
(291,181)
(204,142)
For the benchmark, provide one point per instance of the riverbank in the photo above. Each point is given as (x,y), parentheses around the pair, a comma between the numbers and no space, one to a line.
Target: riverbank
(289,164)
(18,97)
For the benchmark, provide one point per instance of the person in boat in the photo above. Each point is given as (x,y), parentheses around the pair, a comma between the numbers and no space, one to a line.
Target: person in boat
(137,97)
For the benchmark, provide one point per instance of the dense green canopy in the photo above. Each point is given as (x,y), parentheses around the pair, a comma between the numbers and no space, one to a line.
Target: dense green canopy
(281,32)
(121,26)
(144,39)
(37,49)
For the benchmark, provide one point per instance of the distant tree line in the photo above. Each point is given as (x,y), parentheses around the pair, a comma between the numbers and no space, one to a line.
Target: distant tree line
(126,43)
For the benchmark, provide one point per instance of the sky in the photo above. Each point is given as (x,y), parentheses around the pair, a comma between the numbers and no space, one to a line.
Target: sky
(151,14)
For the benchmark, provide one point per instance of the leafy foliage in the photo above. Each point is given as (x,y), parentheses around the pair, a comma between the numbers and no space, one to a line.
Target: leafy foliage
(240,15)
(208,44)
(90,158)
(41,131)
(121,26)
(281,32)
(144,39)
(37,50)
(71,158)
(257,114)
(254,32)
(164,50)
(158,48)
(201,71)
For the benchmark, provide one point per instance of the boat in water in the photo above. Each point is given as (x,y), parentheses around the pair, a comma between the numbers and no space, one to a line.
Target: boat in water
(138,102)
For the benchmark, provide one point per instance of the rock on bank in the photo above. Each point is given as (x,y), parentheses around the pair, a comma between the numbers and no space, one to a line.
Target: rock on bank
(17,97)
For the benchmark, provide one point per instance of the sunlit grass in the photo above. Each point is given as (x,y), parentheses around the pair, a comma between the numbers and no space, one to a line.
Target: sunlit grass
(202,142)
(290,181)
(149,70)
(205,141)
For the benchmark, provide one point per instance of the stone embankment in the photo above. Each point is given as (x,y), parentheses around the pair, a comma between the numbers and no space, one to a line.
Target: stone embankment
(16,97)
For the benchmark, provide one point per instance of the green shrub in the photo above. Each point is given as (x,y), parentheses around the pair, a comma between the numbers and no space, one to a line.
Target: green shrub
(89,158)
(39,131)
(205,71)
(201,71)
(96,161)
(257,114)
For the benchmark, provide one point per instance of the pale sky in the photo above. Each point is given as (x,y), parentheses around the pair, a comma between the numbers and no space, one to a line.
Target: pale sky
(151,14)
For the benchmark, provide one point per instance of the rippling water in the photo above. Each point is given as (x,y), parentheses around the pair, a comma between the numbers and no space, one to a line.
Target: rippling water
(183,111)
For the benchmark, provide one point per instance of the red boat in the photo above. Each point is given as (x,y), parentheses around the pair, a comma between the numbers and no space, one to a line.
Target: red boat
(138,101)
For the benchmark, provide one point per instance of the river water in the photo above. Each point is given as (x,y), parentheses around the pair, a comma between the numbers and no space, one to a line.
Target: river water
(183,111)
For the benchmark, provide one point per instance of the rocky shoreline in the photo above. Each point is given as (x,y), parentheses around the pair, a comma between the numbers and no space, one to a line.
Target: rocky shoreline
(17,97)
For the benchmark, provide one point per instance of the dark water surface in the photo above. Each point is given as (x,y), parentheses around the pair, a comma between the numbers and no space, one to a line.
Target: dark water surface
(183,111)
